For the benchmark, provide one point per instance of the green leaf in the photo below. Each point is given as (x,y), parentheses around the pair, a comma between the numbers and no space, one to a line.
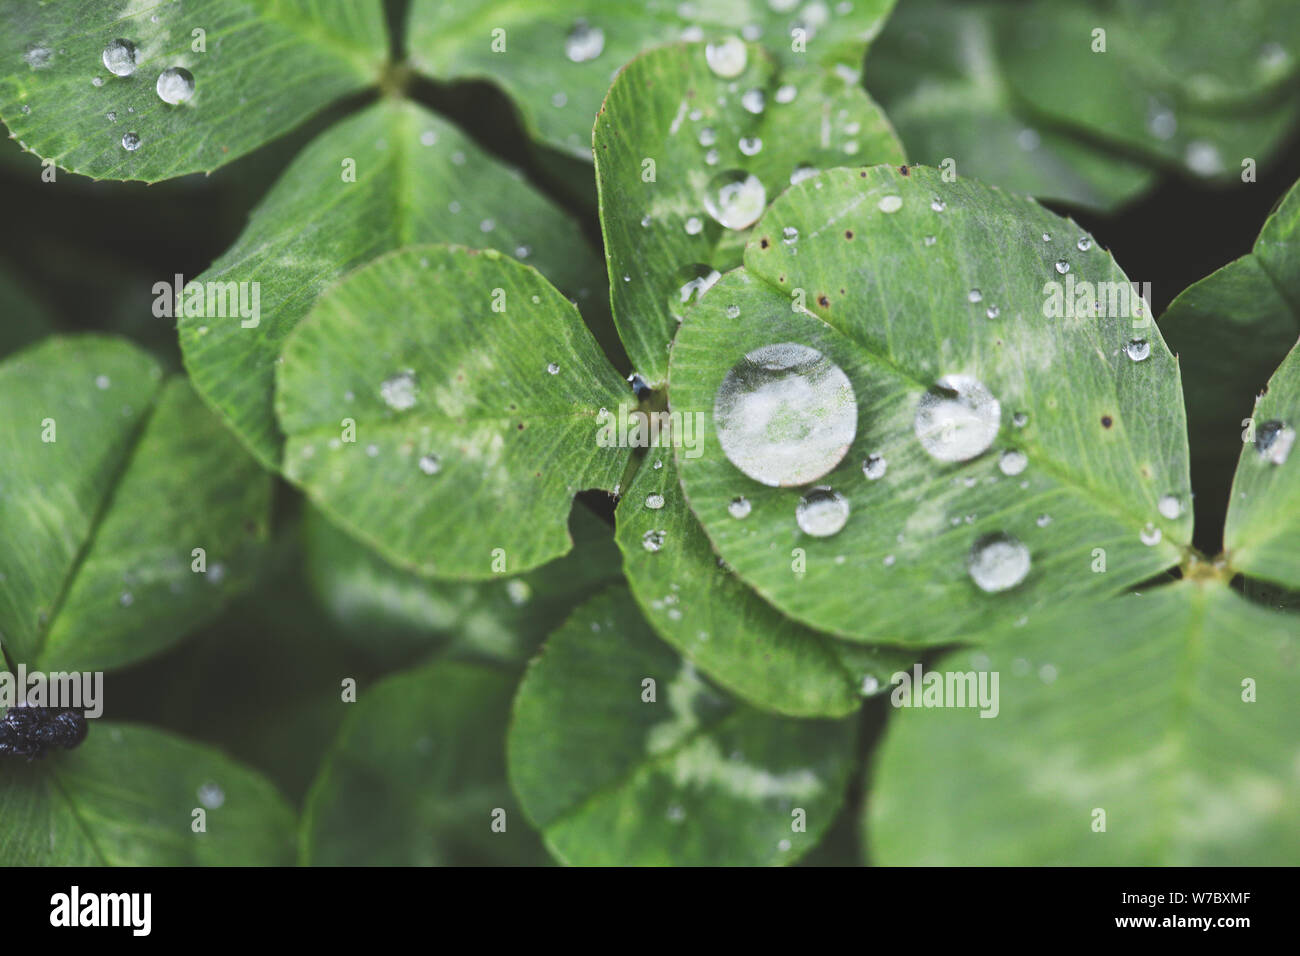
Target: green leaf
(1230,331)
(1180,83)
(474,428)
(420,760)
(1263,522)
(559,93)
(102,522)
(935,69)
(126,797)
(1137,709)
(418,179)
(266,66)
(864,285)
(692,778)
(668,108)
(724,628)
(393,613)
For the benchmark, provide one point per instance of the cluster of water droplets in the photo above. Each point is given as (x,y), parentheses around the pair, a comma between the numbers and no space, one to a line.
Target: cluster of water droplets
(174,85)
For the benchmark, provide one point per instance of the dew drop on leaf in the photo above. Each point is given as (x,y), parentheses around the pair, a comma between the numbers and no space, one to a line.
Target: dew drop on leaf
(785,414)
(584,42)
(1062,266)
(430,464)
(753,101)
(1137,349)
(997,562)
(739,507)
(654,502)
(398,392)
(890,203)
(822,512)
(175,85)
(875,466)
(1013,461)
(735,199)
(120,57)
(726,58)
(130,142)
(1169,506)
(1273,441)
(652,540)
(1150,534)
(957,419)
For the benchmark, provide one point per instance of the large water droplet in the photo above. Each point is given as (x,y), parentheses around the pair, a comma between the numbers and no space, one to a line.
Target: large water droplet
(957,419)
(997,562)
(822,512)
(727,58)
(753,100)
(750,145)
(735,198)
(785,414)
(1137,349)
(1169,506)
(874,467)
(120,57)
(584,42)
(130,142)
(398,392)
(1273,441)
(175,85)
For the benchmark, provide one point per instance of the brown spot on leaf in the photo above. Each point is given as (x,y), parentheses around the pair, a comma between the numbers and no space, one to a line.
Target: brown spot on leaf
(1107,421)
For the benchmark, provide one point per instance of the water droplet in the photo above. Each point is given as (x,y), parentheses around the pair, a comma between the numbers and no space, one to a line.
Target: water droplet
(735,199)
(753,100)
(874,467)
(1169,506)
(733,311)
(1203,158)
(211,796)
(552,369)
(1062,266)
(1084,243)
(1020,419)
(175,85)
(652,540)
(938,205)
(802,172)
(750,145)
(790,234)
(785,414)
(26,110)
(997,562)
(739,507)
(974,295)
(694,226)
(708,136)
(711,157)
(102,382)
(696,280)
(1137,349)
(97,81)
(1047,237)
(890,203)
(1150,535)
(126,599)
(120,57)
(822,512)
(39,57)
(727,58)
(1013,461)
(957,419)
(1273,441)
(430,464)
(992,312)
(654,502)
(785,93)
(130,142)
(929,240)
(398,392)
(584,42)
(1043,520)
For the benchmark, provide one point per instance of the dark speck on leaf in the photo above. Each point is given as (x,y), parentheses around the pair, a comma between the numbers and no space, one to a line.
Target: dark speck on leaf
(823,301)
(903,170)
(848,233)
(1106,421)
(763,243)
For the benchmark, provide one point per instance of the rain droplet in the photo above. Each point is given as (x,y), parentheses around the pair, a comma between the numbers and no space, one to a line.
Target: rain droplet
(652,540)
(874,467)
(552,369)
(938,205)
(992,312)
(1047,237)
(785,414)
(997,562)
(97,81)
(750,145)
(1062,266)
(39,57)
(727,58)
(1013,461)
(1150,535)
(584,42)
(957,419)
(929,240)
(1020,419)
(733,311)
(974,295)
(518,591)
(398,392)
(1084,243)
(790,234)
(120,57)
(735,199)
(822,512)
(753,100)
(708,136)
(890,203)
(175,85)
(694,225)
(1169,506)
(430,464)
(786,93)
(739,507)
(1137,349)
(130,142)
(1273,441)
(654,502)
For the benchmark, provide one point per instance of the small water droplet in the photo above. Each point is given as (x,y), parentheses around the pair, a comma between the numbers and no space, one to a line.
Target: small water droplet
(938,205)
(694,226)
(38,57)
(518,591)
(785,414)
(211,796)
(112,116)
(654,502)
(552,368)
(102,382)
(753,100)
(1062,266)
(997,562)
(822,512)
(398,392)
(785,93)
(929,240)
(175,85)
(733,311)
(1169,506)
(750,145)
(653,540)
(126,599)
(1137,349)
(130,142)
(727,58)
(120,57)
(97,81)
(1084,243)
(992,312)
(739,507)
(890,203)
(584,42)
(1273,441)
(1043,520)
(1013,461)
(974,295)
(790,234)
(957,419)
(875,466)
(708,136)
(430,464)
(1150,534)
(735,199)
(1020,419)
